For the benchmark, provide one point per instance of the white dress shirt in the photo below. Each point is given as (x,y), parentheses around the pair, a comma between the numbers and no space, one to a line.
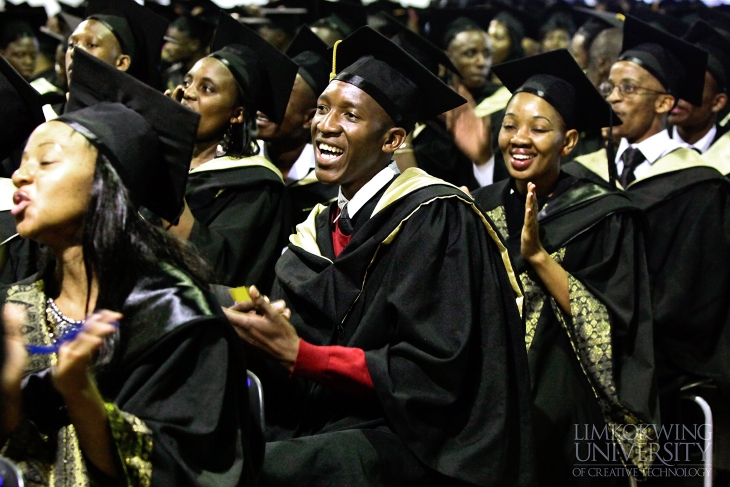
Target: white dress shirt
(366,193)
(302,166)
(653,149)
(701,145)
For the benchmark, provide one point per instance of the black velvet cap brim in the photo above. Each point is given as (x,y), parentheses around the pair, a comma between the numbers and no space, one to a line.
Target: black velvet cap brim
(557,78)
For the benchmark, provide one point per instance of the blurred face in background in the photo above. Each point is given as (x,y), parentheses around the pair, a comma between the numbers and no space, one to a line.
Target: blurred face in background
(501,42)
(22,54)
(471,52)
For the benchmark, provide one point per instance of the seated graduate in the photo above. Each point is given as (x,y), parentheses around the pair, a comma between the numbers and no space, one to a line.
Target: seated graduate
(236,213)
(121,33)
(686,202)
(699,127)
(288,145)
(160,398)
(402,362)
(431,146)
(578,250)
(20,114)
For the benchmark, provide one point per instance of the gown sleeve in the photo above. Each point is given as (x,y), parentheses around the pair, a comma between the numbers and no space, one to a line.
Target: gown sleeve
(243,235)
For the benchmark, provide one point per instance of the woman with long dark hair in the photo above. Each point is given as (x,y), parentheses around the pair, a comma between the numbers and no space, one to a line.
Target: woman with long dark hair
(578,249)
(236,213)
(149,389)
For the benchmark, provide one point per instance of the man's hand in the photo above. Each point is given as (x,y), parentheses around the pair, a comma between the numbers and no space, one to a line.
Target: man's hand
(472,134)
(266,326)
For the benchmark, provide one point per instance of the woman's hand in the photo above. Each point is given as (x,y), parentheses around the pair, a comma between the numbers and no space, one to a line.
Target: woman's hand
(266,326)
(552,274)
(72,374)
(531,247)
(14,368)
(176,94)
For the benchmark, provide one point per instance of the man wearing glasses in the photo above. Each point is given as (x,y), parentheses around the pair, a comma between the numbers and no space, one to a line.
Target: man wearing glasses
(686,202)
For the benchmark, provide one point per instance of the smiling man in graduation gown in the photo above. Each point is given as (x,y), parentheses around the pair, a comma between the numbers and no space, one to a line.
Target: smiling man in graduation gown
(403,360)
(687,204)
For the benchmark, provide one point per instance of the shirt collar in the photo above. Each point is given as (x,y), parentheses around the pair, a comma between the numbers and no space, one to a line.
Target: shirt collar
(702,145)
(653,148)
(301,167)
(366,193)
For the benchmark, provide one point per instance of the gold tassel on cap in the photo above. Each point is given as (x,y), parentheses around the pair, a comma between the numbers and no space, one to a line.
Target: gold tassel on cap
(334,61)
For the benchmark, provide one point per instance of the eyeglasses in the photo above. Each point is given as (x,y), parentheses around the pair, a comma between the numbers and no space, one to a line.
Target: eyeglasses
(625,89)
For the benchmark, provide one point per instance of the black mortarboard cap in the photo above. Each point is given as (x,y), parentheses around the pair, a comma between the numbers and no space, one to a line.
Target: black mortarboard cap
(419,47)
(608,19)
(596,22)
(346,17)
(718,19)
(288,19)
(20,109)
(659,20)
(445,24)
(676,64)
(146,136)
(403,87)
(557,78)
(311,55)
(265,74)
(702,35)
(394,9)
(140,32)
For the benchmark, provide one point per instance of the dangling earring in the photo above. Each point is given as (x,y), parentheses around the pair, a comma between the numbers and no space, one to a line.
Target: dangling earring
(222,148)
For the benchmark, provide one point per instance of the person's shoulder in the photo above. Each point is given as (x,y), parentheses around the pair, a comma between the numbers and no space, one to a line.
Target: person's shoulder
(490,196)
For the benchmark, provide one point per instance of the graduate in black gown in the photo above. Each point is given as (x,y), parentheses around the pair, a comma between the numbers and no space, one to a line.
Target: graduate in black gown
(699,126)
(236,213)
(400,358)
(686,202)
(578,249)
(288,145)
(150,389)
(121,33)
(20,114)
(433,144)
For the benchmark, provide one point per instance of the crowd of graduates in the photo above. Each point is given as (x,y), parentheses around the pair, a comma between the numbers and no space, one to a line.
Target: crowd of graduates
(482,243)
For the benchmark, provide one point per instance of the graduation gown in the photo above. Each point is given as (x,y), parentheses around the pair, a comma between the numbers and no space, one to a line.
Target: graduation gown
(241,218)
(718,155)
(306,193)
(687,207)
(437,154)
(425,288)
(174,388)
(593,367)
(18,256)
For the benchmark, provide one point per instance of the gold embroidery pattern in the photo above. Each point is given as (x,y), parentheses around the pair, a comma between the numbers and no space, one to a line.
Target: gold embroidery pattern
(134,445)
(500,221)
(33,299)
(535,298)
(590,335)
(69,470)
(57,461)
